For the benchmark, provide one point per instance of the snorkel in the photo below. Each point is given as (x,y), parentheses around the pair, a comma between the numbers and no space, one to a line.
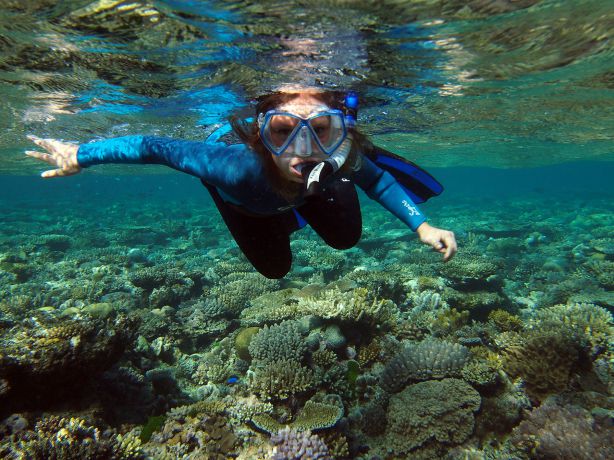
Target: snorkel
(315,175)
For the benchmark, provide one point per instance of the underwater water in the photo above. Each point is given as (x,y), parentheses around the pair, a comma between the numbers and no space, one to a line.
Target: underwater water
(131,326)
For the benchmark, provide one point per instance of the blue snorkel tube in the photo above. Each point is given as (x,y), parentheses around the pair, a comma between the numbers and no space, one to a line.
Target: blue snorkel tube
(315,175)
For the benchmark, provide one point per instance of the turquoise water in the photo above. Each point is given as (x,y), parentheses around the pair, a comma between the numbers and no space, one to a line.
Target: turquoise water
(123,297)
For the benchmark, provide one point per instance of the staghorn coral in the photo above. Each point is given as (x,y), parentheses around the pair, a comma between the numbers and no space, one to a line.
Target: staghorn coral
(278,342)
(429,359)
(295,445)
(587,323)
(544,361)
(554,432)
(428,418)
(280,379)
(70,439)
(315,415)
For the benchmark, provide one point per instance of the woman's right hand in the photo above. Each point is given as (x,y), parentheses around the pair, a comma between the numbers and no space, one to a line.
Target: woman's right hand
(63,155)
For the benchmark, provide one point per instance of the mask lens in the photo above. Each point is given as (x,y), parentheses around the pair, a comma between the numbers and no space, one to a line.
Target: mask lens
(279,128)
(329,130)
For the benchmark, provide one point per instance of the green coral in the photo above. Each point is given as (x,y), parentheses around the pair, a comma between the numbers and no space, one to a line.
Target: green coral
(242,341)
(279,380)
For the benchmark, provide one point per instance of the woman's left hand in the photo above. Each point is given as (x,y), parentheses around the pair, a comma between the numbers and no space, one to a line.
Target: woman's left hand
(441,240)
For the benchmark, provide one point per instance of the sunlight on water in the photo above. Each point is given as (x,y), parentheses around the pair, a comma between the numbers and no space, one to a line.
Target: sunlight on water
(502,84)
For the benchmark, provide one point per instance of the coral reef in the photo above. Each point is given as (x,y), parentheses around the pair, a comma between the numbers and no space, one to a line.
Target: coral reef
(429,359)
(68,439)
(44,358)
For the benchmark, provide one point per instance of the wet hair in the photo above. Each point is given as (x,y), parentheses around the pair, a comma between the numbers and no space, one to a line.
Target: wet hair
(249,133)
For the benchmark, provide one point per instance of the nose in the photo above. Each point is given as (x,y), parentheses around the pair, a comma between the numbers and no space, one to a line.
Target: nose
(303,143)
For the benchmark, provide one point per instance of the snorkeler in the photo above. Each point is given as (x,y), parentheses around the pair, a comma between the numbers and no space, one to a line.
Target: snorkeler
(297,165)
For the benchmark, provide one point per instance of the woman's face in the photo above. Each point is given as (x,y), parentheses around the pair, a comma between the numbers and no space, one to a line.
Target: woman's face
(304,105)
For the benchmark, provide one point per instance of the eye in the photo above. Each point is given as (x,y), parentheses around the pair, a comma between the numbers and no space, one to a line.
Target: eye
(282,131)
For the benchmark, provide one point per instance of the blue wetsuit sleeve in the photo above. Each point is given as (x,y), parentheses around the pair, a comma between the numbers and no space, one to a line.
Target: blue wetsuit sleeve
(382,187)
(217,164)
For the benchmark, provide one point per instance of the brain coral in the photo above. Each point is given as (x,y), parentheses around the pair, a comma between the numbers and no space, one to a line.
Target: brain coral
(429,359)
(428,418)
(278,342)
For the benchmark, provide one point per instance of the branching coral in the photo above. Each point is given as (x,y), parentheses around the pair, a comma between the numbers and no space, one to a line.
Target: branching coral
(280,379)
(356,305)
(588,323)
(294,445)
(429,359)
(282,341)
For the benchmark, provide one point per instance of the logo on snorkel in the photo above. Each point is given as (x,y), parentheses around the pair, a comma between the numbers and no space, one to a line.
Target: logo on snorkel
(413,211)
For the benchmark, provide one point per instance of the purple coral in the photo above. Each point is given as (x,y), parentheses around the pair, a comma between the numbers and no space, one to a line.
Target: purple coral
(564,433)
(295,445)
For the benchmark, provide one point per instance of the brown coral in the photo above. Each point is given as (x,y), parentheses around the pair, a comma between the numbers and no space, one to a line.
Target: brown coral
(545,362)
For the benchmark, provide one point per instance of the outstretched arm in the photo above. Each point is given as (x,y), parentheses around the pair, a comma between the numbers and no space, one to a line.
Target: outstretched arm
(382,187)
(218,164)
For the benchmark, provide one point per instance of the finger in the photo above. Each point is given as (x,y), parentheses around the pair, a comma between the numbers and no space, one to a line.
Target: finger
(57,173)
(46,157)
(449,253)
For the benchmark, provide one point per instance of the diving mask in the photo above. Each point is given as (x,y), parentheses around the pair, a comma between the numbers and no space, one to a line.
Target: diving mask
(287,132)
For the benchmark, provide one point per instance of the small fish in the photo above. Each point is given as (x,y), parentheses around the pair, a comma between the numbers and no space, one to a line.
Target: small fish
(232,380)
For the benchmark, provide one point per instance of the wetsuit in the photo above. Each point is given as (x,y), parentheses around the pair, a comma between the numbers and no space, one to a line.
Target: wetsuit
(259,219)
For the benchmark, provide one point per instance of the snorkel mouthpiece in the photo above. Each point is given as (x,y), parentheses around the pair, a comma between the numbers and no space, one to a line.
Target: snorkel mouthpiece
(315,175)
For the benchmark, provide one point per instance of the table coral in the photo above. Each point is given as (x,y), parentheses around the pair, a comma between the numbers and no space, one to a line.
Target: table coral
(313,416)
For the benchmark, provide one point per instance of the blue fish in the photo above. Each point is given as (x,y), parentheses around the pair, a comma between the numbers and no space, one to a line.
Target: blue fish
(232,380)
